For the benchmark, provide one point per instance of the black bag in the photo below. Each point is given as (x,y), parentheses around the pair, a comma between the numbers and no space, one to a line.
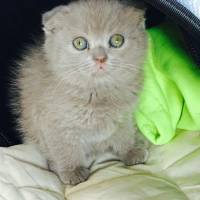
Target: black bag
(186,14)
(17,33)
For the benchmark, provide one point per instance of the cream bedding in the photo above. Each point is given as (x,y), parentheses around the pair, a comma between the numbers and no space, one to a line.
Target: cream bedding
(171,173)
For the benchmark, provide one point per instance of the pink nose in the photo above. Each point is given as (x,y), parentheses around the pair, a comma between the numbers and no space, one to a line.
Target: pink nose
(101,59)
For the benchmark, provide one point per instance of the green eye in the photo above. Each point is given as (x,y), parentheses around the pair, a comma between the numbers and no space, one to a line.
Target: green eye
(116,41)
(80,43)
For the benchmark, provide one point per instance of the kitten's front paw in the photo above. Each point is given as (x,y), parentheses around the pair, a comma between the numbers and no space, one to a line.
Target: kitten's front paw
(80,174)
(136,156)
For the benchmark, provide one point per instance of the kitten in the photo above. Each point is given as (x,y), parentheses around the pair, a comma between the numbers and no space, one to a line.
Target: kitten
(78,88)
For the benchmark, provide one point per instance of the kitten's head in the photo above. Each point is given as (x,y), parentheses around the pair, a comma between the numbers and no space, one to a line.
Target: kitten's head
(95,41)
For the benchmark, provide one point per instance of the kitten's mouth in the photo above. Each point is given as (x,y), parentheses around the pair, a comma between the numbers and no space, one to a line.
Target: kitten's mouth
(100,70)
(99,73)
(101,67)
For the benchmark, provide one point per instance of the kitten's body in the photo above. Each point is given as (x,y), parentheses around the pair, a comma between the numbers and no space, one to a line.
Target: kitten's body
(73,110)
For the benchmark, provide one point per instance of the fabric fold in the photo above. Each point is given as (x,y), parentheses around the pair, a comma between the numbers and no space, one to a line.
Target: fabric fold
(170,97)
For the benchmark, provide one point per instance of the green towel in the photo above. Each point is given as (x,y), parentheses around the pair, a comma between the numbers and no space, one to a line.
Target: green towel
(170,99)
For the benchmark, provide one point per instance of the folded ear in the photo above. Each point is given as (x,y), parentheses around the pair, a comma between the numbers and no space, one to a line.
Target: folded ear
(51,20)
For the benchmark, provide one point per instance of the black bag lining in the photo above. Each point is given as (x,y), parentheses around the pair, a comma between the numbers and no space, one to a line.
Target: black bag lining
(189,22)
(179,14)
(16,33)
(4,141)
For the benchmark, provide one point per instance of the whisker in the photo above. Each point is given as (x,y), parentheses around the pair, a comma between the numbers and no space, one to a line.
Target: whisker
(124,64)
(123,68)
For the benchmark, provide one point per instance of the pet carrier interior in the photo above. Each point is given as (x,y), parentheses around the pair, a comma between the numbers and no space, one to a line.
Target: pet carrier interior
(168,113)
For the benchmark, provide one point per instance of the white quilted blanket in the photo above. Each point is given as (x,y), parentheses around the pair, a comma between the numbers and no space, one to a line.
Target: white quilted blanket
(171,173)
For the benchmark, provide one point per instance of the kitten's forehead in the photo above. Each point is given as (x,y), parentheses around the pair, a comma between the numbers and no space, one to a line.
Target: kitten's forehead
(95,16)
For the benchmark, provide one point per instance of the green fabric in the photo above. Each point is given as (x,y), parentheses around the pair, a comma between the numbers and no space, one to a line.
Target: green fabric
(170,99)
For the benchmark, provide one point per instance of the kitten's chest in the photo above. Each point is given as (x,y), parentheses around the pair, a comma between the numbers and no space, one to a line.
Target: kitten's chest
(97,122)
(94,116)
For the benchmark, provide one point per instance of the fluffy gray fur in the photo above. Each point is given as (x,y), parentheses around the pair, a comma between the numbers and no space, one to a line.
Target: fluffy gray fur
(74,110)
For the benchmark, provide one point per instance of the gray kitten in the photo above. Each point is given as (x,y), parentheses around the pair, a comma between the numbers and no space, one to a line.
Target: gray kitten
(79,88)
